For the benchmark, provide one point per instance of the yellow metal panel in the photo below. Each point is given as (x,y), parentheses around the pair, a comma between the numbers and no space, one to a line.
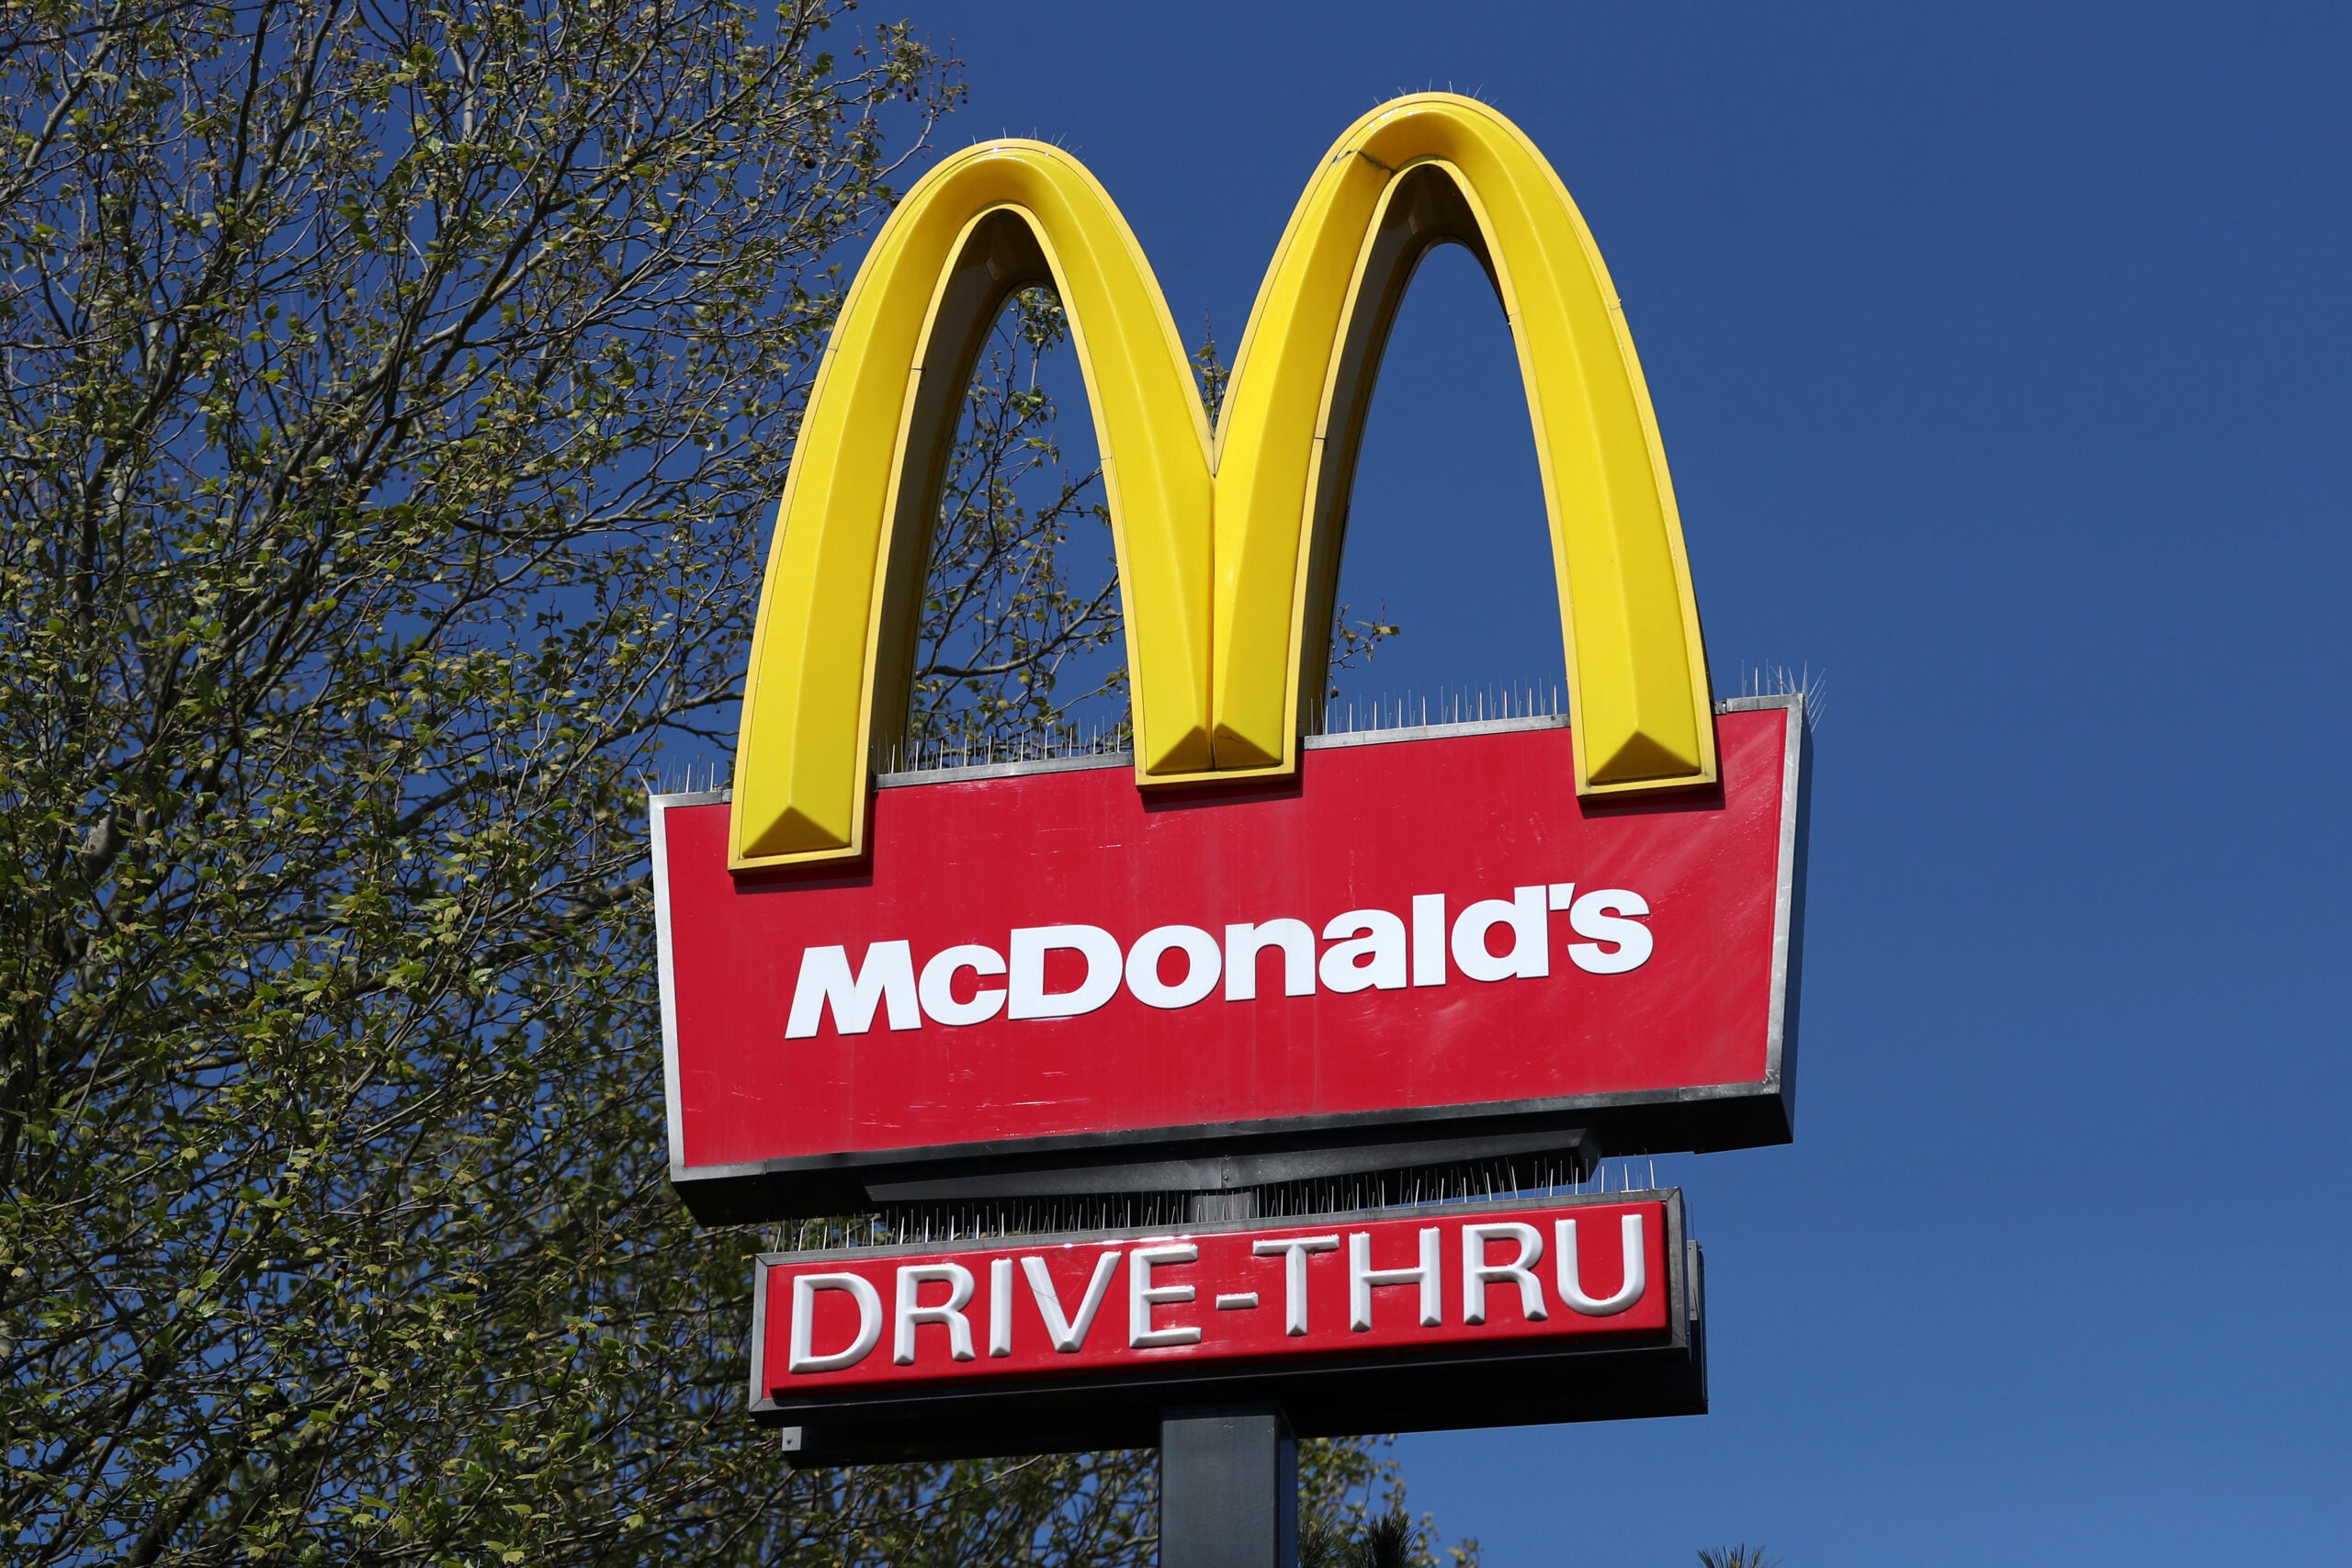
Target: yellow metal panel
(1637,677)
(1227,553)
(808,706)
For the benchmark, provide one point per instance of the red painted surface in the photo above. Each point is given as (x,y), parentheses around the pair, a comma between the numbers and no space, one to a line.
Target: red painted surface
(1365,827)
(1227,1264)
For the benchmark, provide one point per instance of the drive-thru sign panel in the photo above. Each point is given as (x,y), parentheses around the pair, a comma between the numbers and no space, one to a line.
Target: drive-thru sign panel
(1396,1320)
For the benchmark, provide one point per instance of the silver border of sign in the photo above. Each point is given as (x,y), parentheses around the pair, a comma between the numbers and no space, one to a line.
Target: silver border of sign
(1181,1158)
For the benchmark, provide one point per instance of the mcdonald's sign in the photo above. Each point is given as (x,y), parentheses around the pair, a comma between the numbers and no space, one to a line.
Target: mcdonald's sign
(1246,952)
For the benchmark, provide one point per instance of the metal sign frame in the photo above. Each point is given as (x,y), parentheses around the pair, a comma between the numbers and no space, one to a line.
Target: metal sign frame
(1457,1385)
(1579,1128)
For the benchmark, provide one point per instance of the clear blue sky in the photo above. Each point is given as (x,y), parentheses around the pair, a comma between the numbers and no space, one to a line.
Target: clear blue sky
(2003,363)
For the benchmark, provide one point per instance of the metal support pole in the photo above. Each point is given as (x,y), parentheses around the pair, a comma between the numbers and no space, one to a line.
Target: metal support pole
(1228,1489)
(1229,1475)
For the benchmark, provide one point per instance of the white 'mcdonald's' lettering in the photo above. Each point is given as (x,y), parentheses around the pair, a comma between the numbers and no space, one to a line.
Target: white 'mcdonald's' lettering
(1181,967)
(1598,916)
(887,979)
(1292,938)
(1029,945)
(1523,913)
(938,988)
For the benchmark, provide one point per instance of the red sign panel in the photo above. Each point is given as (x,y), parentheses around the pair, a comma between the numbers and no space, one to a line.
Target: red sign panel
(910,1336)
(1046,968)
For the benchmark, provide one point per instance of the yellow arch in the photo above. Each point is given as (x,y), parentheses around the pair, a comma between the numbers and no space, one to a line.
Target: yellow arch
(1227,550)
(837,613)
(1409,175)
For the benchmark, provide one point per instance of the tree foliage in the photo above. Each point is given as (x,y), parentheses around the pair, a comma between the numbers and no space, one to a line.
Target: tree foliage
(394,400)
(388,395)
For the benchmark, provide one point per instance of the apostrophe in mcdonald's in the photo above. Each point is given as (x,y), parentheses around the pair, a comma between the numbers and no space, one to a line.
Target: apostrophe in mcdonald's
(1226,540)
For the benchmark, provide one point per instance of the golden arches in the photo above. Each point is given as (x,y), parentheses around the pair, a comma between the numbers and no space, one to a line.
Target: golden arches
(1411,175)
(1227,550)
(837,609)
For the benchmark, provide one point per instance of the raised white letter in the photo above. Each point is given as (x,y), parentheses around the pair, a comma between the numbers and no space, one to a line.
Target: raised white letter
(1594,916)
(912,1278)
(1030,944)
(1363,1277)
(1242,945)
(1477,1273)
(1142,1296)
(1295,1250)
(1571,1283)
(1201,964)
(888,977)
(938,985)
(1068,1337)
(1379,942)
(1428,939)
(1529,957)
(799,1358)
(999,1306)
